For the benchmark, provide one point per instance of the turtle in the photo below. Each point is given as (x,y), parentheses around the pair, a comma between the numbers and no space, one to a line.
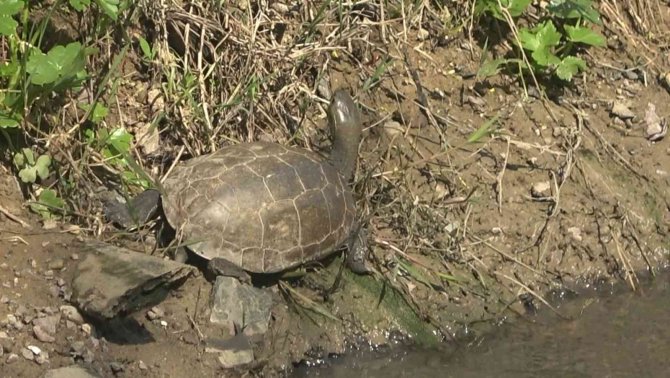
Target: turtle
(263,207)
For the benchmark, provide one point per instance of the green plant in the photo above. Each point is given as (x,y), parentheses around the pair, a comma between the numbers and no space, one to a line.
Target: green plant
(115,146)
(551,42)
(31,168)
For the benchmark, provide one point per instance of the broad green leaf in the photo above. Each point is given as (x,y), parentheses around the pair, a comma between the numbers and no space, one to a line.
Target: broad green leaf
(68,59)
(28,174)
(41,69)
(120,139)
(545,57)
(547,34)
(10,7)
(47,202)
(585,35)
(528,39)
(574,9)
(569,67)
(28,154)
(9,69)
(80,5)
(98,114)
(19,160)
(8,123)
(110,7)
(42,165)
(60,61)
(7,25)
(516,7)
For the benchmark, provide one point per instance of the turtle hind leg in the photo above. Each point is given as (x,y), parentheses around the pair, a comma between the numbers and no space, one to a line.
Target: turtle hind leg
(357,252)
(356,258)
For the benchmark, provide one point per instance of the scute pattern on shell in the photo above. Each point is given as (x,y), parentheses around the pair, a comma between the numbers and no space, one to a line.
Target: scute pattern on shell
(262,206)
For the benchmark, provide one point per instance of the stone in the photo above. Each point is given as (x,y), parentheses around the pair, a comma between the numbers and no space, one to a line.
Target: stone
(240,307)
(42,358)
(27,354)
(11,358)
(540,189)
(56,264)
(622,111)
(116,367)
(131,280)
(233,352)
(72,314)
(48,323)
(42,335)
(69,372)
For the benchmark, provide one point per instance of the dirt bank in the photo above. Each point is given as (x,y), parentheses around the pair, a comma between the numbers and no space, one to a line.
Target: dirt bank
(463,235)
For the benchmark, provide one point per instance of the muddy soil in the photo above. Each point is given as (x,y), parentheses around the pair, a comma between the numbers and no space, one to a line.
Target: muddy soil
(464,234)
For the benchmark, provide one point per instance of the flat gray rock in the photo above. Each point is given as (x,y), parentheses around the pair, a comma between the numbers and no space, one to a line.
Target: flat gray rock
(69,372)
(112,281)
(240,307)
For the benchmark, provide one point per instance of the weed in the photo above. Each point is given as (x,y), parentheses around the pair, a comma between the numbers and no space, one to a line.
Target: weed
(563,26)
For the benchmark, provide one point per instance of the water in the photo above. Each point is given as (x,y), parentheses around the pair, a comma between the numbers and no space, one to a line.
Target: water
(622,335)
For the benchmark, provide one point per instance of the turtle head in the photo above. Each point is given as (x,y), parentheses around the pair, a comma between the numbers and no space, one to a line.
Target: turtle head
(344,121)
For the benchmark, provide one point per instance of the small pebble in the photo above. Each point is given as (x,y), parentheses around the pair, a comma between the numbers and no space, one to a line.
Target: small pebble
(56,264)
(86,328)
(42,335)
(74,256)
(36,350)
(71,313)
(13,357)
(142,365)
(42,359)
(116,367)
(27,354)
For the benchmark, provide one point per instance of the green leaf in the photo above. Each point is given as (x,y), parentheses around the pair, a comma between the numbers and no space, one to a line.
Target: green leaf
(483,130)
(109,7)
(574,9)
(146,48)
(42,165)
(28,174)
(10,7)
(7,25)
(528,39)
(80,5)
(545,57)
(120,139)
(47,202)
(490,67)
(28,154)
(569,67)
(585,35)
(516,7)
(547,34)
(98,114)
(19,160)
(8,123)
(60,61)
(41,69)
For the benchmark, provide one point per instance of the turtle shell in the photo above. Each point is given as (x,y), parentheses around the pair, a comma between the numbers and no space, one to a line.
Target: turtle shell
(262,206)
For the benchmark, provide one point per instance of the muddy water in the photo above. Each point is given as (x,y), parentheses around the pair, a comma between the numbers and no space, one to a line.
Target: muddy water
(614,334)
